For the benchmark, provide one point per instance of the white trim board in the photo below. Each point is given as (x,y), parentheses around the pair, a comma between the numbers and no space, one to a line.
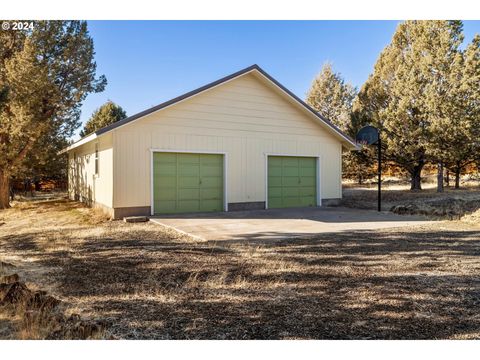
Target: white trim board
(225,166)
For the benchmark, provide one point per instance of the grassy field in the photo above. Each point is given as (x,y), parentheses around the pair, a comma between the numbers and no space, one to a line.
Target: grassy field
(147,282)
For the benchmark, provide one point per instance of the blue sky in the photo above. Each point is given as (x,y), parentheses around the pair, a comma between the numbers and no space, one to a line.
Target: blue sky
(148,62)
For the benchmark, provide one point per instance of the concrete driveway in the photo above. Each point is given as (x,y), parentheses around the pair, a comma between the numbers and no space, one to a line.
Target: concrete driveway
(283,223)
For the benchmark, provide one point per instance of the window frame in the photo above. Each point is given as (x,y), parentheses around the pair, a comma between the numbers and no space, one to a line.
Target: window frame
(97,160)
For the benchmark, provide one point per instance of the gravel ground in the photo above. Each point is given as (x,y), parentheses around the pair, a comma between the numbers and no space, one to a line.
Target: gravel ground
(148,282)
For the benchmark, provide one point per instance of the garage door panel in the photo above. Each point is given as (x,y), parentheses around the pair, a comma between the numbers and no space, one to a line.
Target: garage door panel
(275,161)
(166,194)
(188,158)
(208,194)
(291,202)
(275,181)
(209,182)
(275,171)
(166,169)
(292,181)
(166,157)
(308,201)
(188,194)
(288,161)
(306,191)
(188,170)
(275,202)
(211,170)
(167,181)
(308,181)
(275,192)
(290,191)
(187,182)
(187,206)
(307,162)
(164,206)
(290,171)
(211,205)
(310,171)
(211,159)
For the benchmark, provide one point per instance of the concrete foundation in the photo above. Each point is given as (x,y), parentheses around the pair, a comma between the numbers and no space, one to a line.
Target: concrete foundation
(257,205)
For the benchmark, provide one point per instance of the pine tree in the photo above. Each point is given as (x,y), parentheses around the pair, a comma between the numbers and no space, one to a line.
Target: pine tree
(106,114)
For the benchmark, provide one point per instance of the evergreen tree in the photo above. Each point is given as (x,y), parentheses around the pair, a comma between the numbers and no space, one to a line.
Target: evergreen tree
(359,165)
(106,114)
(462,132)
(334,99)
(409,96)
(44,161)
(450,97)
(45,74)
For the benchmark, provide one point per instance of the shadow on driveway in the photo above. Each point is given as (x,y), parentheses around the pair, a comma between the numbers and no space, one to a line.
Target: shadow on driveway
(283,223)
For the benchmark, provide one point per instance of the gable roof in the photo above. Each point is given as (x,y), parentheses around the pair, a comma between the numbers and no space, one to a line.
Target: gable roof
(344,138)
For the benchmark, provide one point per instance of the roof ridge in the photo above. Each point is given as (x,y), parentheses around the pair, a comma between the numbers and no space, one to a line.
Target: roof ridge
(210,85)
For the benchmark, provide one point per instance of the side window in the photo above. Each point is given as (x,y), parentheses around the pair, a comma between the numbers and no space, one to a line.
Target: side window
(97,160)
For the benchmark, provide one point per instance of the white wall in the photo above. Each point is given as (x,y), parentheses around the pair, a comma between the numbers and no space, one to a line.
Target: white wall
(82,180)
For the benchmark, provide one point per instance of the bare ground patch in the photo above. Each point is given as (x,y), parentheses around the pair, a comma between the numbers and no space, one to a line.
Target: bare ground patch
(150,282)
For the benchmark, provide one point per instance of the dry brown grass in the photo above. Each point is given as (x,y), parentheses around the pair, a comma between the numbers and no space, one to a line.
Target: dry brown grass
(150,282)
(397,197)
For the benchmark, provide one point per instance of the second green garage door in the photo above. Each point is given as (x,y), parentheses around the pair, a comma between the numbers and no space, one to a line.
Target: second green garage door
(185,183)
(292,181)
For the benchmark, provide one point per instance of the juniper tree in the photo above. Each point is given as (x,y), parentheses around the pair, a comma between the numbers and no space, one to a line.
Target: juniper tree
(106,114)
(333,98)
(409,95)
(45,74)
(462,134)
(451,97)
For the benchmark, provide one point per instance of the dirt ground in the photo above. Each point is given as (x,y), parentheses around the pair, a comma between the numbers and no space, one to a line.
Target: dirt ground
(148,282)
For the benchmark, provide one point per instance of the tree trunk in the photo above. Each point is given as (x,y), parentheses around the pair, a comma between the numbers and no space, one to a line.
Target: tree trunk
(416,177)
(4,190)
(360,179)
(447,178)
(457,176)
(440,177)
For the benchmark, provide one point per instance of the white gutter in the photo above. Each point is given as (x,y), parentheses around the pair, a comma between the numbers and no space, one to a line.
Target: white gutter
(80,142)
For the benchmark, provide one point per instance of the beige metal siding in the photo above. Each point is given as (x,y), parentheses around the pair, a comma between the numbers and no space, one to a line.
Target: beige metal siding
(82,181)
(247,119)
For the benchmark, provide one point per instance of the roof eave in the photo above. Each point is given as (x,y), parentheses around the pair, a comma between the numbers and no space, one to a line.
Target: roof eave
(78,143)
(345,139)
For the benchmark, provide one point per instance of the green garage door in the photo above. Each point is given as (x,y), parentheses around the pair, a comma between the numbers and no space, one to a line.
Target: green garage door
(292,181)
(187,182)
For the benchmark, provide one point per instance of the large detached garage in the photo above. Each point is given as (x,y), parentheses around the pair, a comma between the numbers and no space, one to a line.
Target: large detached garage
(242,142)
